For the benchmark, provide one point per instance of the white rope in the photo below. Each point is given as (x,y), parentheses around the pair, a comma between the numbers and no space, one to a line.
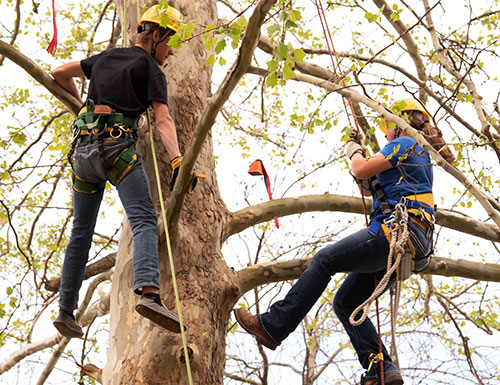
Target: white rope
(395,297)
(399,237)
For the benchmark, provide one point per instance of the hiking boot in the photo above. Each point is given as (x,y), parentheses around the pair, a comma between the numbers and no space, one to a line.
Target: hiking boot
(391,376)
(252,325)
(159,314)
(66,325)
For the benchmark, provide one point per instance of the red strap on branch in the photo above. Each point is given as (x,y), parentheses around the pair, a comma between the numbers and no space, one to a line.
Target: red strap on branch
(52,48)
(257,168)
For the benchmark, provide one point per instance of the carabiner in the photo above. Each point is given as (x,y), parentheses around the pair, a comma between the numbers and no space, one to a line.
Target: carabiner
(117,128)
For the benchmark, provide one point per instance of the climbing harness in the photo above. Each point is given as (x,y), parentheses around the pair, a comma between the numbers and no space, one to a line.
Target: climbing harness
(335,63)
(97,122)
(169,249)
(257,168)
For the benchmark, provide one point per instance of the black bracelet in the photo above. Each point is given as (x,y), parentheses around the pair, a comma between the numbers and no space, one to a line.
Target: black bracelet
(358,151)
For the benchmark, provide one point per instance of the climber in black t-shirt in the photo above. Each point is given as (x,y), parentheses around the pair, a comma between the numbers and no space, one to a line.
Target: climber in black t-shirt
(124,82)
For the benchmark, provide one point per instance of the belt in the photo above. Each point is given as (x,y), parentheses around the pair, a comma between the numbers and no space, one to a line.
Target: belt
(419,222)
(106,136)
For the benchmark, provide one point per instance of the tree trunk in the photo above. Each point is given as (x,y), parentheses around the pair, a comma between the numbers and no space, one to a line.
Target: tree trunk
(139,352)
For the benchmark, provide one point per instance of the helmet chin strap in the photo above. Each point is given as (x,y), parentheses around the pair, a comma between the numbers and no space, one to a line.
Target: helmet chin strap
(155,44)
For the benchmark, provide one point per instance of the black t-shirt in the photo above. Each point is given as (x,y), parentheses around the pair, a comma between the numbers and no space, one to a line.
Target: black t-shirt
(126,79)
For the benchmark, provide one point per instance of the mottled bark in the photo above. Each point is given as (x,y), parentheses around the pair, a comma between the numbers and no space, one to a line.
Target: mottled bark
(139,352)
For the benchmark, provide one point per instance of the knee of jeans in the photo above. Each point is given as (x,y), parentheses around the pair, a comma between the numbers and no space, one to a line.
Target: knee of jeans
(340,306)
(145,221)
(320,260)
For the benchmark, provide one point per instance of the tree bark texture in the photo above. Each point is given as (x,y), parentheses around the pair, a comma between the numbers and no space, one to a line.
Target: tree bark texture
(140,353)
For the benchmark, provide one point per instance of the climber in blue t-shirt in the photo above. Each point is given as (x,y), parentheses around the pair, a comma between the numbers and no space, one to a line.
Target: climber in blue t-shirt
(401,171)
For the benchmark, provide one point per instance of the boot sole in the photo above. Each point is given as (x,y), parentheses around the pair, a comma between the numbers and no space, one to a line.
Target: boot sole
(67,331)
(159,319)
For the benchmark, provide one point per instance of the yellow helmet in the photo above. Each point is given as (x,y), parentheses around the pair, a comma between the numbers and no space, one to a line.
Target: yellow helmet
(403,105)
(164,15)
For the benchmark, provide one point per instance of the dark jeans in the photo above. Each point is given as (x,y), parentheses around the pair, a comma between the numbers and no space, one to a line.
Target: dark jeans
(135,196)
(364,256)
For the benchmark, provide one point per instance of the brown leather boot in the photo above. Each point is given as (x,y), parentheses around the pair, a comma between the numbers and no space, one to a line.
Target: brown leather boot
(251,324)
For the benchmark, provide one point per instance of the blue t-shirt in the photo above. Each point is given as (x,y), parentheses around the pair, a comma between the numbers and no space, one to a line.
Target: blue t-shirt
(411,174)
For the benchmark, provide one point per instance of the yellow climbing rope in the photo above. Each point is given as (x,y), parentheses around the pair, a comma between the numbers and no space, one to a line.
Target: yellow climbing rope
(169,249)
(163,213)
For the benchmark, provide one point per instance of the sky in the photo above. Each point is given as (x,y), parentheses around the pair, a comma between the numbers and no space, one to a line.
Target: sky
(232,167)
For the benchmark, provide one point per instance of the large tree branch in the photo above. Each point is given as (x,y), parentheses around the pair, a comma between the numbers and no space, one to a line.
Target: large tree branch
(91,270)
(447,64)
(39,75)
(405,72)
(265,273)
(417,135)
(214,105)
(410,44)
(250,216)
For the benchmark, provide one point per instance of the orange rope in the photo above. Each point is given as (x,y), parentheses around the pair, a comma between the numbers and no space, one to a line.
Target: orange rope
(335,63)
(380,354)
(336,70)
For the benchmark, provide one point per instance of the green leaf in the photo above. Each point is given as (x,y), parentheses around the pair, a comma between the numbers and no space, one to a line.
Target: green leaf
(9,290)
(282,50)
(299,55)
(221,44)
(235,33)
(175,41)
(210,61)
(271,80)
(288,72)
(290,24)
(273,30)
(273,65)
(19,138)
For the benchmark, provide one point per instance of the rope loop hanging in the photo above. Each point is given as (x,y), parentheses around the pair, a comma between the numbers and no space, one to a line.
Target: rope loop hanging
(399,238)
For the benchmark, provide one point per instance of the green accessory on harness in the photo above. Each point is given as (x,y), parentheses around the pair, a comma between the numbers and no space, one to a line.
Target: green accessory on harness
(81,186)
(122,164)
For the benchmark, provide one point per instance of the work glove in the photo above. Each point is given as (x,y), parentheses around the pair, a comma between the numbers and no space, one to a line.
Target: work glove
(356,137)
(352,148)
(176,163)
(354,144)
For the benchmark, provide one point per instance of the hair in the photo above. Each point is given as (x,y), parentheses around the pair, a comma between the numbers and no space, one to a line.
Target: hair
(432,134)
(144,37)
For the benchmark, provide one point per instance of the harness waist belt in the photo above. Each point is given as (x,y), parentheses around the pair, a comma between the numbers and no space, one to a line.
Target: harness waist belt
(110,117)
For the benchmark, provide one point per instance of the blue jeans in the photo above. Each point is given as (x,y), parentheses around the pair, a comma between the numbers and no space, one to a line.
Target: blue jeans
(365,257)
(133,190)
